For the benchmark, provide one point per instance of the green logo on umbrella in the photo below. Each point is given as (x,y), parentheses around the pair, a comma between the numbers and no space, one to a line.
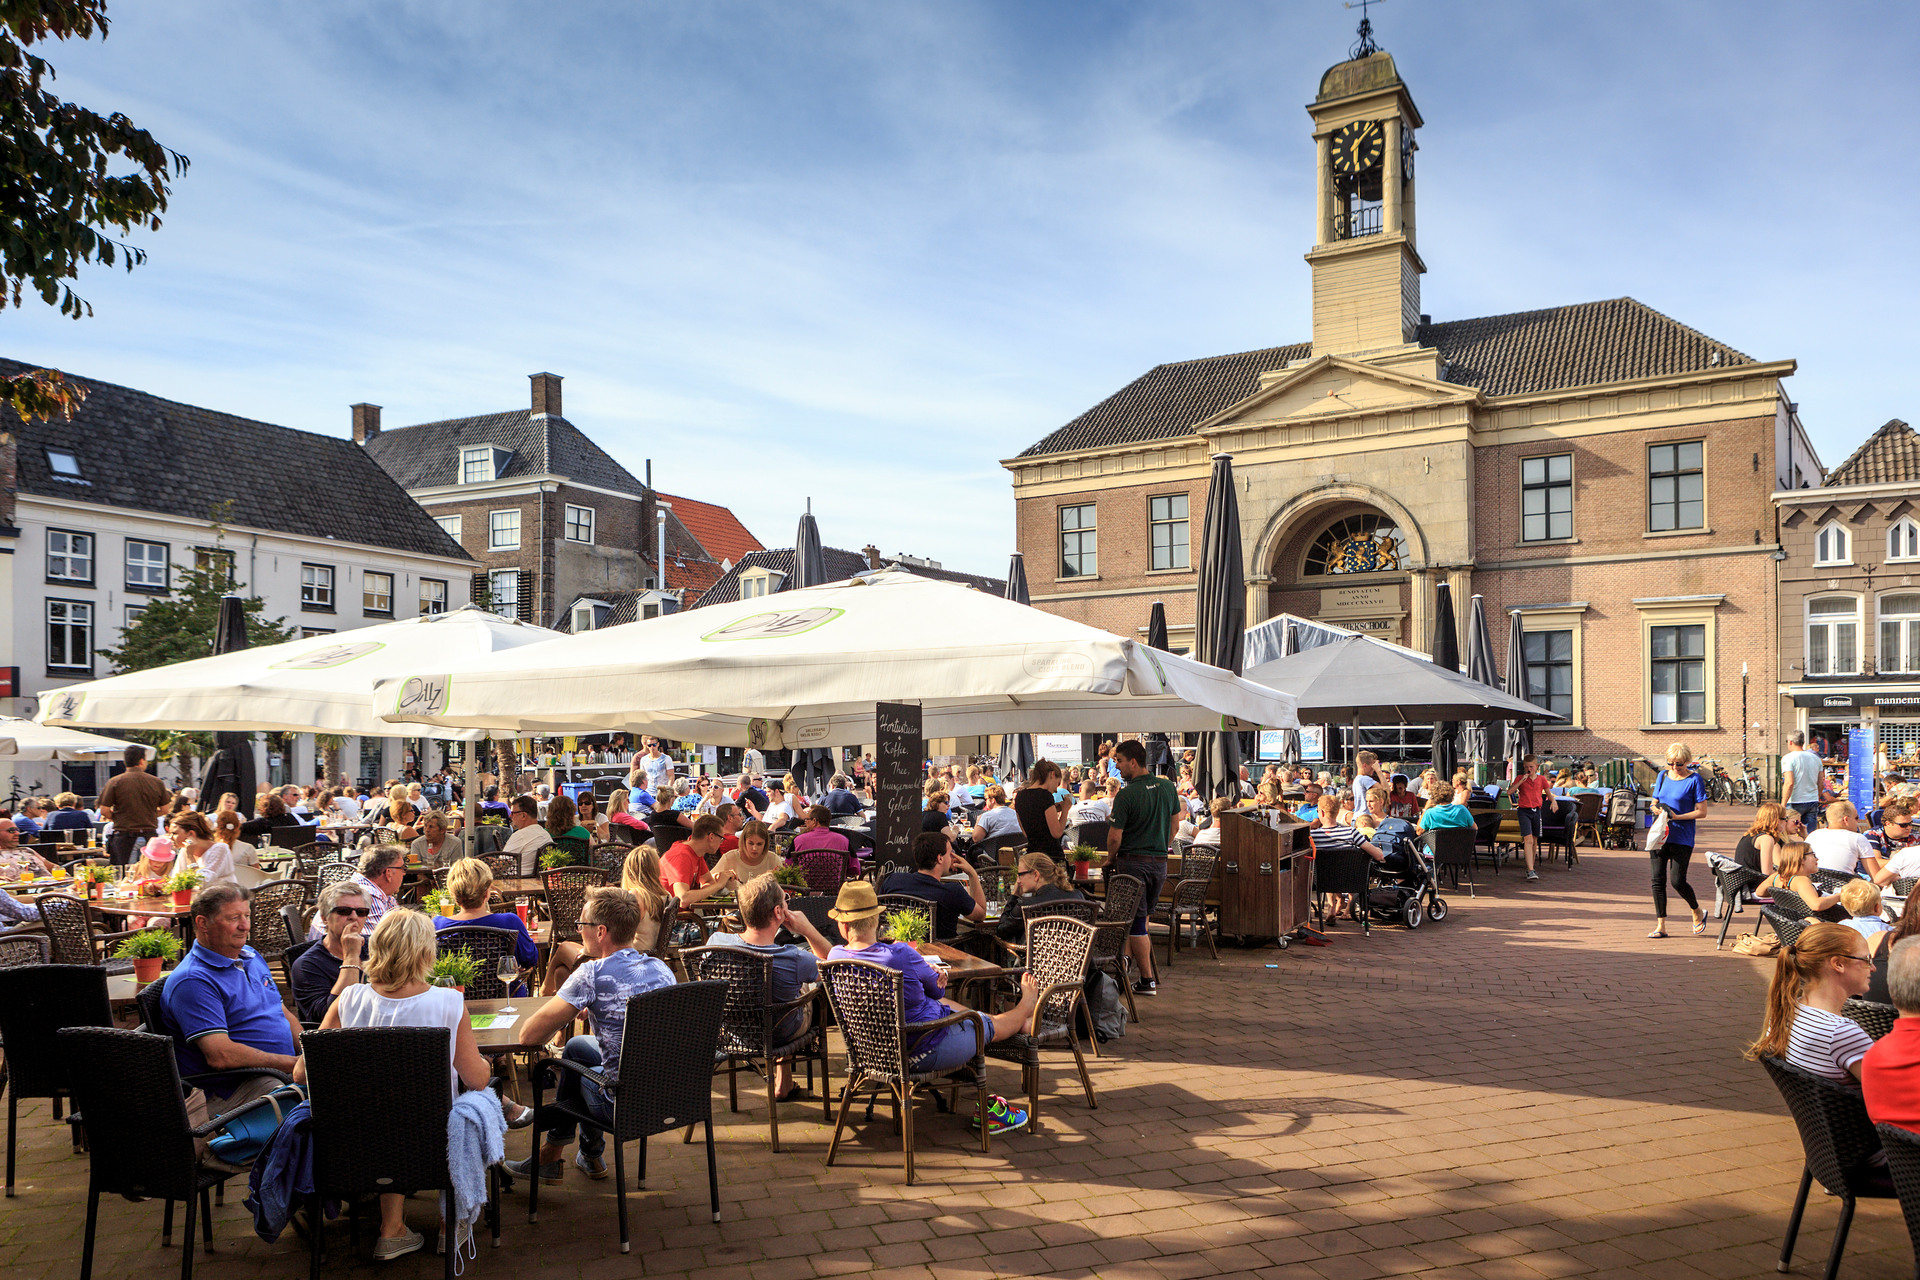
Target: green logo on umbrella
(777,625)
(329,656)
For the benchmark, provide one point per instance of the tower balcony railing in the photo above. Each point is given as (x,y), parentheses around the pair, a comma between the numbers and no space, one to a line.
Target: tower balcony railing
(1358,220)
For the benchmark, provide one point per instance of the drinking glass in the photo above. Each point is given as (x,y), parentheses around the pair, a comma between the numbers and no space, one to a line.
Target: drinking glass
(508,970)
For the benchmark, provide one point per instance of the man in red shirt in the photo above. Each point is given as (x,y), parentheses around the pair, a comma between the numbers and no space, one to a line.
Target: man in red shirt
(683,868)
(1890,1073)
(1532,791)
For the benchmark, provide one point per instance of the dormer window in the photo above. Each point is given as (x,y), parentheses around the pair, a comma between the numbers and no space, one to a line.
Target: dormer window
(755,583)
(1833,545)
(64,465)
(482,463)
(588,614)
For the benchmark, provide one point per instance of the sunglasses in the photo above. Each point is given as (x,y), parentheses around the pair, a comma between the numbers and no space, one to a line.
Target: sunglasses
(362,912)
(585,923)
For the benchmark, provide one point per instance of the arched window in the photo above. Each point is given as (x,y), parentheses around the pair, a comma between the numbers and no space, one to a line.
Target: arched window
(1900,632)
(1832,545)
(1833,636)
(1357,544)
(1903,541)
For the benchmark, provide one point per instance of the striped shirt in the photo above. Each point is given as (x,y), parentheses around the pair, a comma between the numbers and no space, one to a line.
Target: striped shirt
(1338,836)
(1826,1043)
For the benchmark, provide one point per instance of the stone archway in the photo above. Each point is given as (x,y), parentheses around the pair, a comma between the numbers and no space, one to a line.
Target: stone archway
(1394,604)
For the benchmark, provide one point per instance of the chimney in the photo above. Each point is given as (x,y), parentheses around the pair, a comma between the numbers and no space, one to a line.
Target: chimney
(366,422)
(872,553)
(546,393)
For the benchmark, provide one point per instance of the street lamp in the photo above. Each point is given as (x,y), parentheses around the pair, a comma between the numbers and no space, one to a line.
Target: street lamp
(1743,715)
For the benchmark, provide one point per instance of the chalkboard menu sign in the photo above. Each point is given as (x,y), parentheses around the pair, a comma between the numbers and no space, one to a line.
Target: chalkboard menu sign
(898,753)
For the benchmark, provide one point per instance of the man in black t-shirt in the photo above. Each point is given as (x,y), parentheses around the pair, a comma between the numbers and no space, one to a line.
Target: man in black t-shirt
(934,857)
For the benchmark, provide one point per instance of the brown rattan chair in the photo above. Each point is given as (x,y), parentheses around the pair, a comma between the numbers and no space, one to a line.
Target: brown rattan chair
(269,934)
(1110,952)
(567,897)
(1057,950)
(825,869)
(505,866)
(890,902)
(74,935)
(1188,907)
(486,945)
(756,1030)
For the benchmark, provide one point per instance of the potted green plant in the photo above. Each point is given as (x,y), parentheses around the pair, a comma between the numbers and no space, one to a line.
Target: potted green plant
(790,879)
(456,968)
(182,884)
(558,858)
(1085,857)
(148,950)
(904,925)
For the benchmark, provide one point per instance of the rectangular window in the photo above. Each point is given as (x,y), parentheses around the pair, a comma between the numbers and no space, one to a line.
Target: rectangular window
(1833,636)
(1167,518)
(1549,656)
(1079,542)
(316,587)
(505,584)
(134,614)
(376,593)
(649,611)
(476,466)
(1546,498)
(503,530)
(433,597)
(64,465)
(579,523)
(1680,674)
(217,562)
(69,635)
(307,633)
(69,556)
(1676,489)
(146,566)
(451,524)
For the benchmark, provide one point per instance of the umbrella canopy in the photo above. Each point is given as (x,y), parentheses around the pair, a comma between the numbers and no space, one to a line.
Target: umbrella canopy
(1159,754)
(43,742)
(1480,736)
(1519,735)
(320,684)
(809,562)
(806,668)
(231,768)
(1017,580)
(1338,683)
(1446,655)
(1220,619)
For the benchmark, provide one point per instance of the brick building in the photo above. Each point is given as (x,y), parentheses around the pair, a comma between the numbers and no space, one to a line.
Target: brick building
(1600,468)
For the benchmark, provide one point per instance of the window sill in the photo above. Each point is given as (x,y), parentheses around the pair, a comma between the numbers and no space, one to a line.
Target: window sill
(67,673)
(499,550)
(1679,728)
(1161,573)
(1677,533)
(1543,727)
(1833,564)
(146,591)
(1084,577)
(72,584)
(1548,542)
(377,613)
(316,608)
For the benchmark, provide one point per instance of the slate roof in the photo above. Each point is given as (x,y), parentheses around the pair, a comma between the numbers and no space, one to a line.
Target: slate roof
(715,527)
(1890,455)
(143,453)
(428,454)
(1575,346)
(840,564)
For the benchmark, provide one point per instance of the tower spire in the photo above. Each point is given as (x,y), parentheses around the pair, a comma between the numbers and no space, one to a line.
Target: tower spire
(1364,46)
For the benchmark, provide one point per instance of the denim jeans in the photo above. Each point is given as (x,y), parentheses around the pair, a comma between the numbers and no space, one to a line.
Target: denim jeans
(585,1095)
(1809,813)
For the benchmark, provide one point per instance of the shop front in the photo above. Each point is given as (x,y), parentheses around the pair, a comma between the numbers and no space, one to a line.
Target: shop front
(1832,715)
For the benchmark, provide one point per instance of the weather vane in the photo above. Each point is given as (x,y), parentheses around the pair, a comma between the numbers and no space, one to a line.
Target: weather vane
(1365,45)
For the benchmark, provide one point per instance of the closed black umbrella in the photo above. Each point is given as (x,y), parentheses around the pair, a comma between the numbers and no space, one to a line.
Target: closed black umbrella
(1446,656)
(1519,736)
(1479,739)
(812,766)
(1016,749)
(1290,738)
(231,768)
(1159,754)
(1220,620)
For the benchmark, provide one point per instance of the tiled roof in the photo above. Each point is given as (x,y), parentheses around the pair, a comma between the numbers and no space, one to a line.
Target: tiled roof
(1582,345)
(625,608)
(1890,455)
(144,453)
(715,527)
(840,565)
(428,454)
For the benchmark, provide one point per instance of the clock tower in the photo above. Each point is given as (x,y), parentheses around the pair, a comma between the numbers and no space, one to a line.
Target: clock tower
(1366,269)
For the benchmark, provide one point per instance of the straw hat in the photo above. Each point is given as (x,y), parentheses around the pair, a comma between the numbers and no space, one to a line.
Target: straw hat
(857,901)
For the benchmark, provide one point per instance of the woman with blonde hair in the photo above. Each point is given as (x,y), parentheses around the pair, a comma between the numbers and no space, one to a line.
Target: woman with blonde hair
(1812,979)
(396,994)
(1682,795)
(639,876)
(403,820)
(470,885)
(1037,880)
(1758,847)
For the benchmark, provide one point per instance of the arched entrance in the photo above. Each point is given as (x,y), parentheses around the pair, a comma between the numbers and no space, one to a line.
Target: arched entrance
(1348,558)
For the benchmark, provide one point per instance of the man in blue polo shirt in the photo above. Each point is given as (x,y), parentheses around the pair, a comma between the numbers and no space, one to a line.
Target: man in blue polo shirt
(223,1000)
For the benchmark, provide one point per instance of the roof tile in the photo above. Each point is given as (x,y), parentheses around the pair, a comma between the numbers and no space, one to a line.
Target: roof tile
(1890,455)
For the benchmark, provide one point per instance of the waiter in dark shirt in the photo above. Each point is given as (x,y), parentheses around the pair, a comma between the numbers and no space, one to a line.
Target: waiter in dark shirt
(1043,816)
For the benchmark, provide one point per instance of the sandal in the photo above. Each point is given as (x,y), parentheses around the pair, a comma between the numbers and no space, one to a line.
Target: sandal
(1700,925)
(1658,933)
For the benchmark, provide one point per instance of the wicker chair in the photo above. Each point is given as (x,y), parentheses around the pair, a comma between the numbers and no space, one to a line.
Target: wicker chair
(505,866)
(1733,882)
(1188,907)
(333,872)
(400,1075)
(1057,952)
(1875,1019)
(1903,1162)
(1839,1142)
(815,907)
(1827,881)
(486,945)
(869,1003)
(1343,871)
(825,870)
(269,934)
(609,855)
(384,835)
(1452,850)
(1788,915)
(36,1002)
(909,902)
(17,950)
(997,881)
(1586,818)
(128,1098)
(988,851)
(72,936)
(567,896)
(1486,838)
(1111,954)
(666,1082)
(575,845)
(750,1025)
(1085,910)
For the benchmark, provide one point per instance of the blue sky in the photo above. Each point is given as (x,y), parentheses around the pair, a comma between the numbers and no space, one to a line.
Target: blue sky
(863,251)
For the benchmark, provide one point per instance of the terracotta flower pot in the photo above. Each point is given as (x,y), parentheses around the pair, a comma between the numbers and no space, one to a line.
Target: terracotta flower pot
(1080,869)
(147,969)
(183,898)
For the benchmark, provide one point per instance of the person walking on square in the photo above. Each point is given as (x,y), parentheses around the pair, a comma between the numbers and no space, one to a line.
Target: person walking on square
(1682,794)
(1531,792)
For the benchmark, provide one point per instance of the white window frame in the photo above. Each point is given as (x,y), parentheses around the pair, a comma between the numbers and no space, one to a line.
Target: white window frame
(145,565)
(452,524)
(1905,647)
(75,548)
(134,611)
(210,559)
(505,603)
(1547,487)
(579,525)
(317,588)
(481,458)
(76,618)
(496,525)
(586,615)
(1833,544)
(432,605)
(1834,625)
(1086,542)
(370,595)
(1903,539)
(1178,551)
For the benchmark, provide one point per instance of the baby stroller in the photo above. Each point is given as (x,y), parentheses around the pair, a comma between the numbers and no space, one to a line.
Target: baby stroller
(1619,818)
(1399,885)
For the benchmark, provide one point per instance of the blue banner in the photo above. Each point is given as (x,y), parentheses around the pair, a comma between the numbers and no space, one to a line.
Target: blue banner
(1860,769)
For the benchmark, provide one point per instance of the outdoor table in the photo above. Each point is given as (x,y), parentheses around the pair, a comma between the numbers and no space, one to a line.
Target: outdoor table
(519,884)
(163,906)
(495,1042)
(963,969)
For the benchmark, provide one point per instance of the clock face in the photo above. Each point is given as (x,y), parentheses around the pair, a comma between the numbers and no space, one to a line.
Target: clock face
(1359,146)
(1406,153)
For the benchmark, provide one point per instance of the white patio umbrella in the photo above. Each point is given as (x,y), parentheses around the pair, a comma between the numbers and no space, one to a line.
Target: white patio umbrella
(46,742)
(806,667)
(320,684)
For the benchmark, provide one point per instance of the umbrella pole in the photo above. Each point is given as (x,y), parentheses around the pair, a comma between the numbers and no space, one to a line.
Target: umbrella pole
(471,809)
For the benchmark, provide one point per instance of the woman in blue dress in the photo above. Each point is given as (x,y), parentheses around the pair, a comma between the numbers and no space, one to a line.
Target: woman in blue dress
(1682,795)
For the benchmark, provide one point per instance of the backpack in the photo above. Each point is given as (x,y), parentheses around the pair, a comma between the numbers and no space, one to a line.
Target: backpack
(1103,1004)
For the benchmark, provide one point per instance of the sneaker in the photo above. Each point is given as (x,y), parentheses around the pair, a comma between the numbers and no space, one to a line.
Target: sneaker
(1146,987)
(1002,1116)
(549,1173)
(517,1119)
(398,1247)
(594,1167)
(1533,875)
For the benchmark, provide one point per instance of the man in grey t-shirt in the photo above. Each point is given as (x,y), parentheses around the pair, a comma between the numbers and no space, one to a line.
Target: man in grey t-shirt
(1800,780)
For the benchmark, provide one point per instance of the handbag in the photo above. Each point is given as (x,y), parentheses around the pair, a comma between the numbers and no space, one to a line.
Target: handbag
(1657,831)
(243,1139)
(1752,944)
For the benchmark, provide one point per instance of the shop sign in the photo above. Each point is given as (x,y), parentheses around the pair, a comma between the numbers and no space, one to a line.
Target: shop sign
(1849,701)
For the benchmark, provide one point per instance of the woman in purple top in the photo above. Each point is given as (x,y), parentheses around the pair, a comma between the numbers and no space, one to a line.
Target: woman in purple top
(470,882)
(858,911)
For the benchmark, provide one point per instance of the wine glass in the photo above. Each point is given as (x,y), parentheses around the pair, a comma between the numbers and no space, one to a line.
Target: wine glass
(508,970)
